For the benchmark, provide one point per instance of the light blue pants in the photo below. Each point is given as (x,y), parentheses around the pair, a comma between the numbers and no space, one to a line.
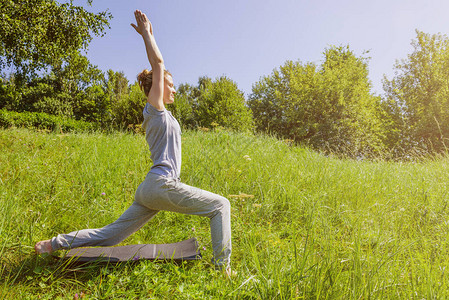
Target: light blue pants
(154,194)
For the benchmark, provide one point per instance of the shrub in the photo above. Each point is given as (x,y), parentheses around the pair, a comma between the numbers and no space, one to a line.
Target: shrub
(213,103)
(328,107)
(34,120)
(127,109)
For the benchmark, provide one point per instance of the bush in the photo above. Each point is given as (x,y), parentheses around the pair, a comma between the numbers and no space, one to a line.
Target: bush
(34,120)
(327,107)
(213,103)
(183,107)
(127,109)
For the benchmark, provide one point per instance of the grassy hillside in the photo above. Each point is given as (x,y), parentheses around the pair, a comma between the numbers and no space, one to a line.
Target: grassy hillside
(312,227)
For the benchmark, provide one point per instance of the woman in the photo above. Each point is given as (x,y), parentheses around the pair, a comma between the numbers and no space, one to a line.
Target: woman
(161,189)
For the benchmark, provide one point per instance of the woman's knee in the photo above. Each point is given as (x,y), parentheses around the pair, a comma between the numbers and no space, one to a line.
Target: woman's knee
(223,204)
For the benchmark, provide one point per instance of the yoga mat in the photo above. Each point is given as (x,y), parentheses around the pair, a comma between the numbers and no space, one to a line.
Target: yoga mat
(184,250)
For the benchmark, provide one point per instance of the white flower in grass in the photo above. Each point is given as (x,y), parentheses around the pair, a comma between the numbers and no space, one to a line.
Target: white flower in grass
(247,157)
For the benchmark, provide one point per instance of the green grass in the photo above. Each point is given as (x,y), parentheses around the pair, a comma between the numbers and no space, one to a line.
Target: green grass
(317,227)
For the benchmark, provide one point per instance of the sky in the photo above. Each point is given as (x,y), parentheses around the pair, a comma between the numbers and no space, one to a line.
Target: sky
(247,39)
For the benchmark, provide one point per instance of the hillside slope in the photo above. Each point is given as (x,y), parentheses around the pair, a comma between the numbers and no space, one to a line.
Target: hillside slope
(304,225)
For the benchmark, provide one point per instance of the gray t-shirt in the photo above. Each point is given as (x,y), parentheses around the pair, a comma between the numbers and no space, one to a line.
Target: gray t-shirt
(163,135)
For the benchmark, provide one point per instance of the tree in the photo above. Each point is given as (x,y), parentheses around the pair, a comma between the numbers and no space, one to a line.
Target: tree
(35,34)
(274,98)
(62,91)
(213,103)
(185,102)
(353,118)
(418,96)
(327,106)
(127,109)
(117,84)
(75,73)
(94,105)
(222,103)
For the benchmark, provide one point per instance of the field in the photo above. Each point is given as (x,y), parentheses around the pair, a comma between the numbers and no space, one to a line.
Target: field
(304,225)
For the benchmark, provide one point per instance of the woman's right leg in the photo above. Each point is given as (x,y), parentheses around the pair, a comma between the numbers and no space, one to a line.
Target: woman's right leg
(161,193)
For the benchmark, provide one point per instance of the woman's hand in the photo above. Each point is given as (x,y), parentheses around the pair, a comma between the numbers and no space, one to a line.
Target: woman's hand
(143,24)
(145,29)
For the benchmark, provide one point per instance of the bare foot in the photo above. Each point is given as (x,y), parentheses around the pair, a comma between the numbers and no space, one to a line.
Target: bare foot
(43,247)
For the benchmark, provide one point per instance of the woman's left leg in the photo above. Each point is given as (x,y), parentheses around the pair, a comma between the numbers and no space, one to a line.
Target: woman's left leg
(128,223)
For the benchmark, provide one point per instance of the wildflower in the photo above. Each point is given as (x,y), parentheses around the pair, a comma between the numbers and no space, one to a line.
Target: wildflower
(204,248)
(137,257)
(76,296)
(103,194)
(247,157)
(193,228)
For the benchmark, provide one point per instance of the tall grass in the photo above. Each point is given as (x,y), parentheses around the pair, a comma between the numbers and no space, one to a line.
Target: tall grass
(305,226)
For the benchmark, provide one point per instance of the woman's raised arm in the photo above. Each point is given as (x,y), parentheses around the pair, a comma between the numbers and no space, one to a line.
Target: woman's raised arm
(145,29)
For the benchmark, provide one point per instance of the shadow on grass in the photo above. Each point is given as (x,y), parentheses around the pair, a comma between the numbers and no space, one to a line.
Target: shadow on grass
(42,271)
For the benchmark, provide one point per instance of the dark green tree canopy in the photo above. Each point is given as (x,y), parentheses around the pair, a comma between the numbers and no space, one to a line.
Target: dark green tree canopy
(35,34)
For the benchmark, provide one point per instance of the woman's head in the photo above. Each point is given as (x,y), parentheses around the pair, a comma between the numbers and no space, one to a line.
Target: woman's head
(145,80)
